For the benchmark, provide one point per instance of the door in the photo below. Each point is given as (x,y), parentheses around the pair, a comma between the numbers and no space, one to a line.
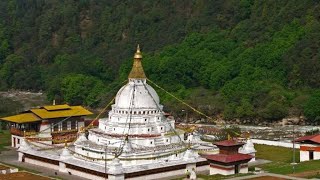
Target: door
(14,142)
(236,168)
(311,155)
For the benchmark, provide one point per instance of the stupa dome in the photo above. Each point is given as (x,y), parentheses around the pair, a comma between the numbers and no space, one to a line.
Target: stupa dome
(137,93)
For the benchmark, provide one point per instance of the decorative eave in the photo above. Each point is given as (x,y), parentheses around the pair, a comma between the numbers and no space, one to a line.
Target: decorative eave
(233,158)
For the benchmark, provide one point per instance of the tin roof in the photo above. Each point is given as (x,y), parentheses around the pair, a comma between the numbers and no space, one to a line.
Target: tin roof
(48,112)
(313,138)
(56,113)
(22,118)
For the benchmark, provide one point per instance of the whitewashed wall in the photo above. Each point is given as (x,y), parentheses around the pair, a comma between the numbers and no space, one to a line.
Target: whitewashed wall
(275,143)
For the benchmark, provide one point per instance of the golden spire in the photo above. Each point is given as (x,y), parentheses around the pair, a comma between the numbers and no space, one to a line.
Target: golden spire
(137,71)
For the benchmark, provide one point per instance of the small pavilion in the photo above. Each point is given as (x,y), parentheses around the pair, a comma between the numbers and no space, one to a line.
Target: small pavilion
(309,147)
(228,161)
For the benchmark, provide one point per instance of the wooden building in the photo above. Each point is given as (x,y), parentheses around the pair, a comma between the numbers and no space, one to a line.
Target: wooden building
(228,161)
(57,123)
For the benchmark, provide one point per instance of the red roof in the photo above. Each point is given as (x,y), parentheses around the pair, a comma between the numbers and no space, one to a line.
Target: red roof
(229,143)
(228,158)
(314,138)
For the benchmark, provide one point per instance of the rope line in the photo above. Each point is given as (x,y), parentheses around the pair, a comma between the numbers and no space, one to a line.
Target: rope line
(161,111)
(85,128)
(194,109)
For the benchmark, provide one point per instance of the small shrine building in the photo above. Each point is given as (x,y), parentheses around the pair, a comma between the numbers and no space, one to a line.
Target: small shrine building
(309,147)
(228,161)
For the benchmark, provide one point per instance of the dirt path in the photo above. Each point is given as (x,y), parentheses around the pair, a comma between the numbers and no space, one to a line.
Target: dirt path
(305,174)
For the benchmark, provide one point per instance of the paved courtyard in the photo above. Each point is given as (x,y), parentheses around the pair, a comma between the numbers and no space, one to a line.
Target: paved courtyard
(11,157)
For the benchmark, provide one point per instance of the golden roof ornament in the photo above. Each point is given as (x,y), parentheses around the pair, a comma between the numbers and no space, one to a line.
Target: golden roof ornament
(137,71)
(138,55)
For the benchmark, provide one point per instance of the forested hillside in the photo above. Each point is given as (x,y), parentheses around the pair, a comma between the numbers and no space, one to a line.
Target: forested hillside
(235,59)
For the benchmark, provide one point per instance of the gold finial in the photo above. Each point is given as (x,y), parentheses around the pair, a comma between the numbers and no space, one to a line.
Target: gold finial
(138,48)
(65,143)
(138,55)
(137,71)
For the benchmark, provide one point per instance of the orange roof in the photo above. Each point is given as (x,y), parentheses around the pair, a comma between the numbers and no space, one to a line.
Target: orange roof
(22,118)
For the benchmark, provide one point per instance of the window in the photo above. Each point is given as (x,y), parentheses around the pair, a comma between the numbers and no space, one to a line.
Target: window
(73,124)
(56,127)
(150,142)
(69,125)
(145,120)
(64,125)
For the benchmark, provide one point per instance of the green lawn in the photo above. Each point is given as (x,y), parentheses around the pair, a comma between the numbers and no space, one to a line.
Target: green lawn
(4,139)
(276,154)
(286,168)
(281,158)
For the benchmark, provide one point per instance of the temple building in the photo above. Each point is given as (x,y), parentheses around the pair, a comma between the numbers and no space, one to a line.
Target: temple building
(136,140)
(42,119)
(309,147)
(228,161)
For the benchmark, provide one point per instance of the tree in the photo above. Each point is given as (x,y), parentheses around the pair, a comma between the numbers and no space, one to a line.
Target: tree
(312,108)
(81,89)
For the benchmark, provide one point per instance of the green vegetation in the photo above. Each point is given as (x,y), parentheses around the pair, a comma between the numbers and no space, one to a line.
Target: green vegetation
(276,154)
(8,106)
(281,160)
(4,139)
(244,59)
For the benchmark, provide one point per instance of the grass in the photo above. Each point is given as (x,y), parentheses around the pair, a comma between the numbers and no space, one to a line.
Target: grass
(4,139)
(275,153)
(281,158)
(286,168)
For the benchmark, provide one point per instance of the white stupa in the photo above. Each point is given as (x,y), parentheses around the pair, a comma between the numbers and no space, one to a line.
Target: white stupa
(136,140)
(248,148)
(136,131)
